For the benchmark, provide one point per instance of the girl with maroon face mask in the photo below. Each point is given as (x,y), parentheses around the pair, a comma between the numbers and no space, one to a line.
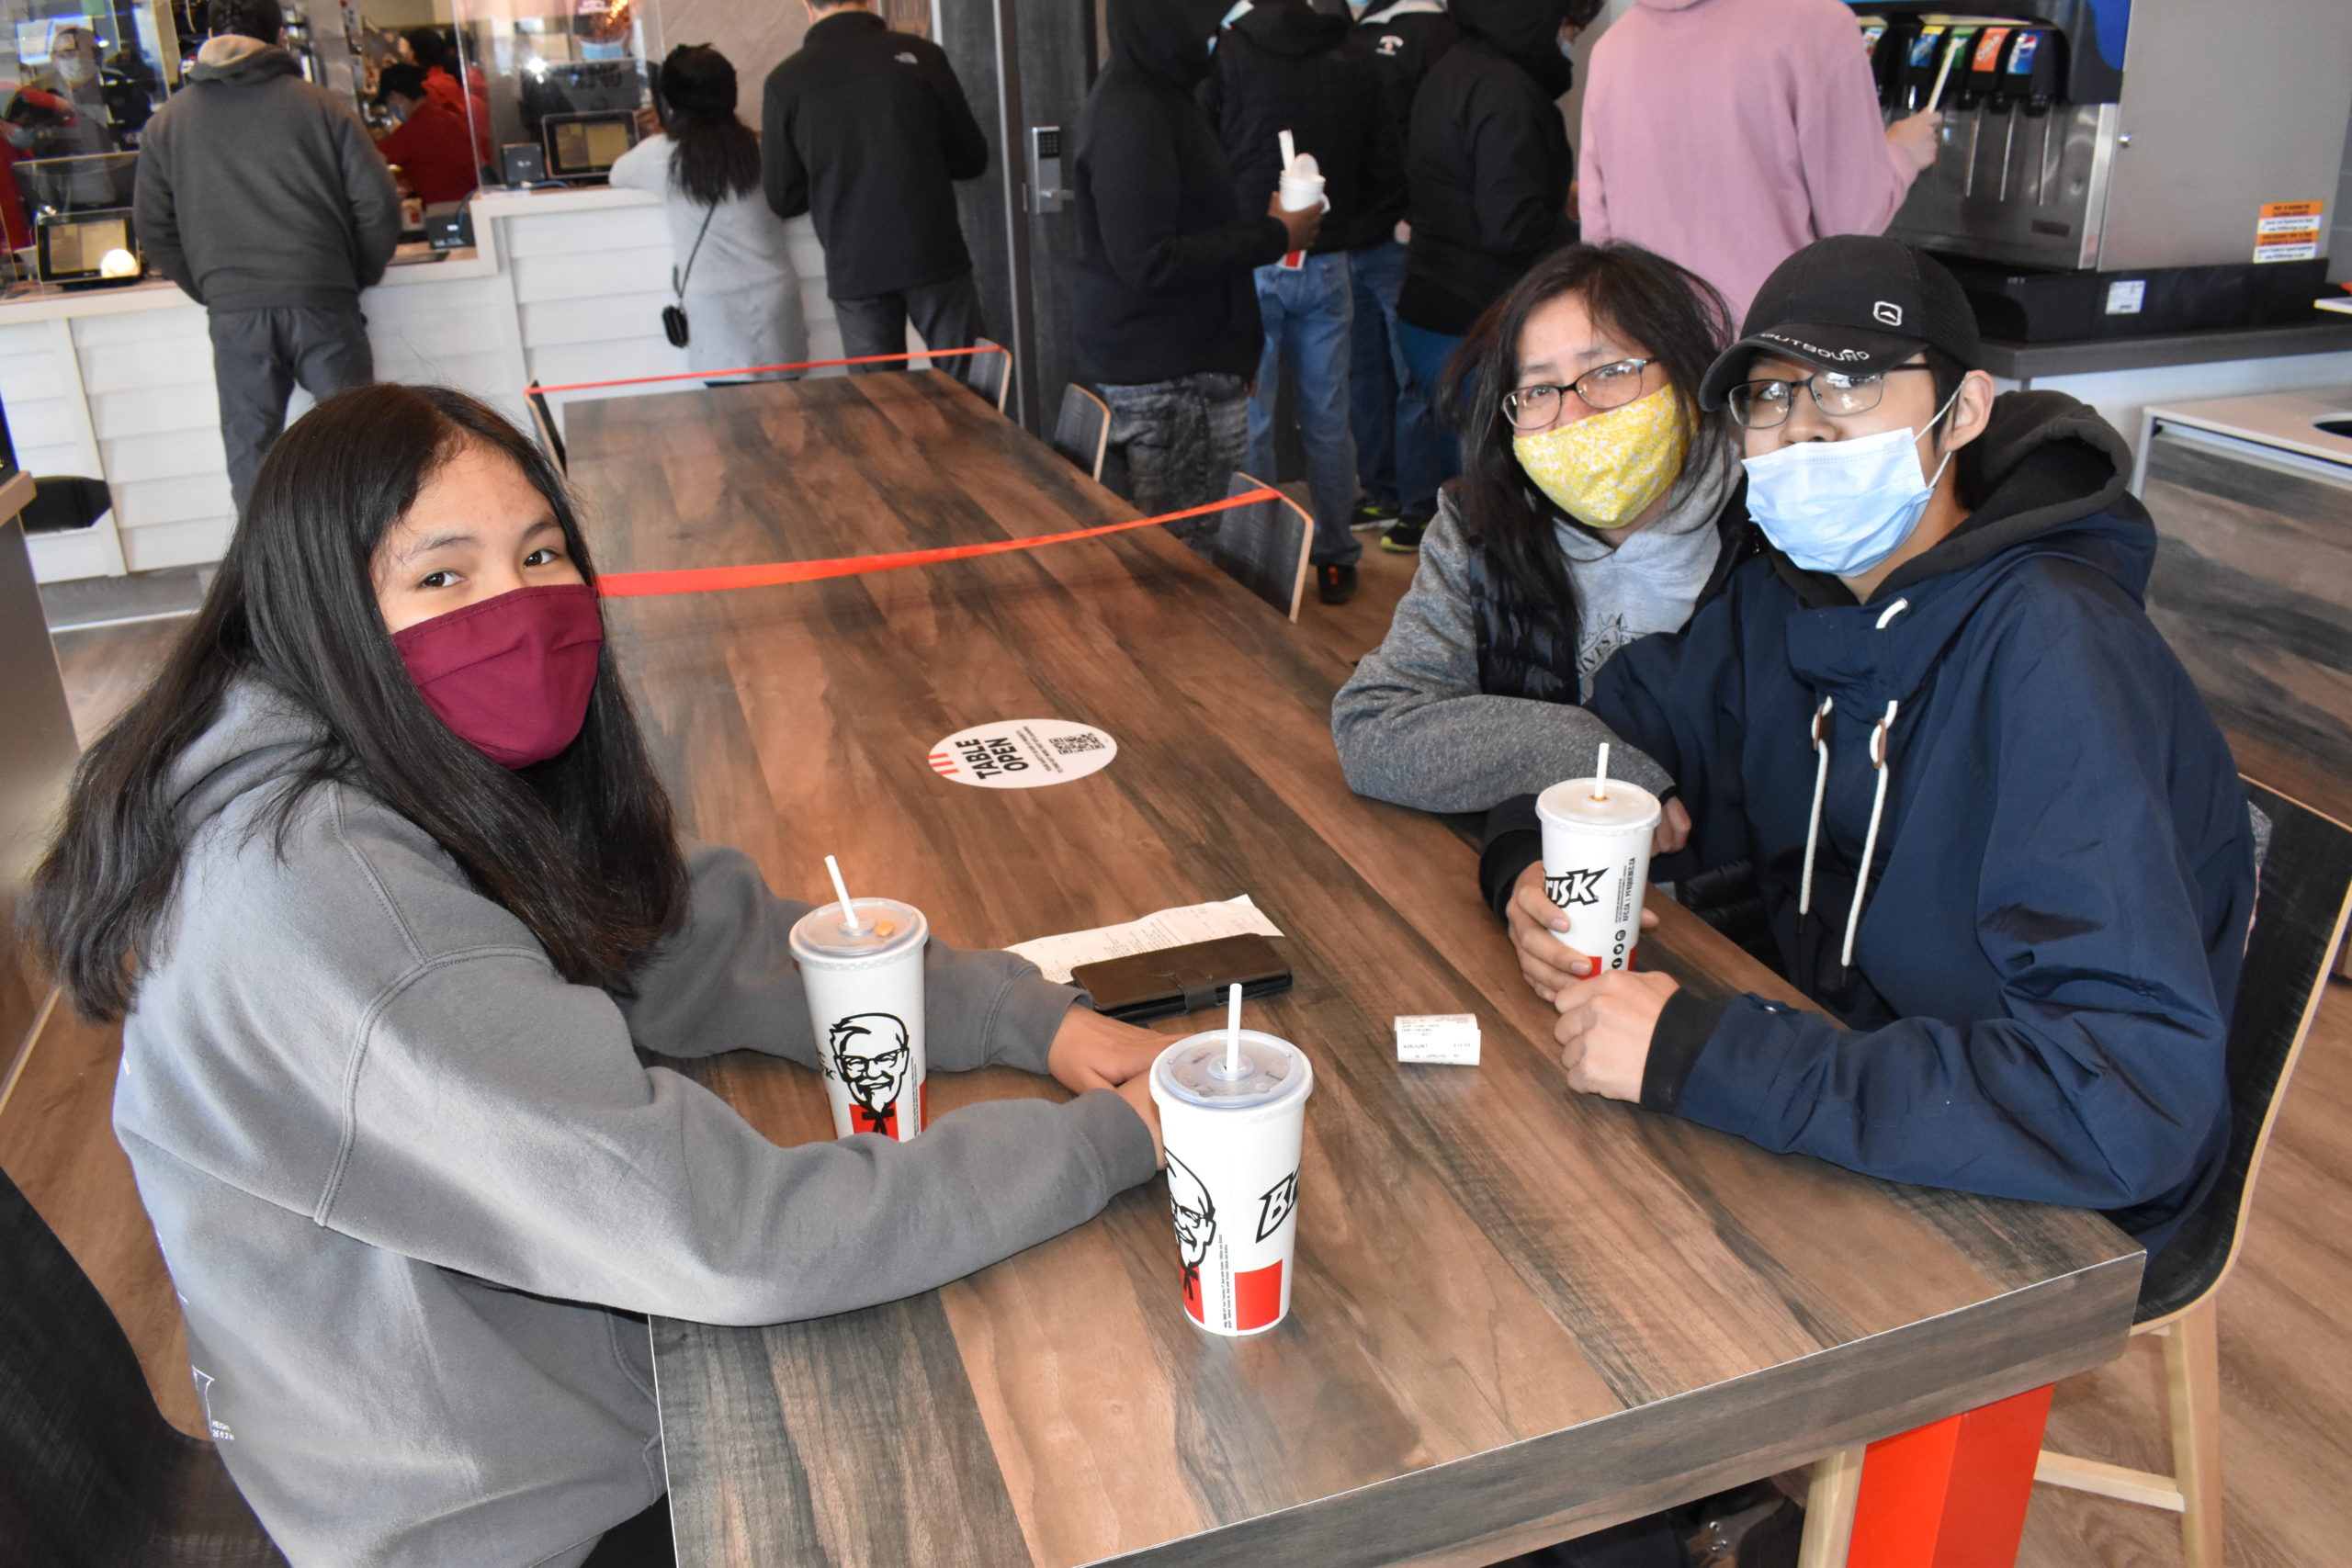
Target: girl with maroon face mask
(382,885)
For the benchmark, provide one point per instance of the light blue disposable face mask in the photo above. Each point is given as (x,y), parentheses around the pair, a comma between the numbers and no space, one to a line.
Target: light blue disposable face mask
(1842,506)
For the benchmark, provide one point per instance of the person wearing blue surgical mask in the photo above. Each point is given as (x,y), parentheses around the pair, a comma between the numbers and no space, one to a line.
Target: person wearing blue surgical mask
(1993,830)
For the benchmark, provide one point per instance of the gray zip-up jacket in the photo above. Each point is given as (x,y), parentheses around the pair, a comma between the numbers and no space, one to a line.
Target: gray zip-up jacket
(412,1185)
(258,191)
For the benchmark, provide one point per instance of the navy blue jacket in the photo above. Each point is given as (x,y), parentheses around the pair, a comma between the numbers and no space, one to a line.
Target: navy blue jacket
(2049,949)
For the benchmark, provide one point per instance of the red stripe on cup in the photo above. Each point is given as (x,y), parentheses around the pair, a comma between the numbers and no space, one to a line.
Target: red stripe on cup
(1257,1296)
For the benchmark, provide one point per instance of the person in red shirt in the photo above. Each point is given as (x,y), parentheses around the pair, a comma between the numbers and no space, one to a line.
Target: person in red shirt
(30,116)
(437,57)
(432,145)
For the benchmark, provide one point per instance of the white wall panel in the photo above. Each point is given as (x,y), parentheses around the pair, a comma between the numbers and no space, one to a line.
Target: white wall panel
(592,274)
(185,544)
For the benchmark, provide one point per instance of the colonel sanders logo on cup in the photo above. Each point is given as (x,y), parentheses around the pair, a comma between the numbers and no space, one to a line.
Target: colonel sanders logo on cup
(1195,1214)
(869,1052)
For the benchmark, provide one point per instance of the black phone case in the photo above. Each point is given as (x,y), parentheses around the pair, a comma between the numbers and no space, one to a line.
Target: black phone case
(1174,980)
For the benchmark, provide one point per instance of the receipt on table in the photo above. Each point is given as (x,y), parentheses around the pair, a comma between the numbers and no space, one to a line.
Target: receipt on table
(1447,1039)
(1057,955)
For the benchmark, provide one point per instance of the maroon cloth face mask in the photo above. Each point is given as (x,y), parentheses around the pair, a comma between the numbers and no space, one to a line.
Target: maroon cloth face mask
(510,676)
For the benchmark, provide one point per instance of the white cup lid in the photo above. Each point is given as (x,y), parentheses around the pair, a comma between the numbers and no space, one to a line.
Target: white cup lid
(1572,802)
(1193,1072)
(889,925)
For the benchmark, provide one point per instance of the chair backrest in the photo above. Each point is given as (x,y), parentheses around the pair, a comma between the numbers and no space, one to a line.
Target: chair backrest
(2299,918)
(90,1472)
(543,425)
(1082,432)
(1263,546)
(990,374)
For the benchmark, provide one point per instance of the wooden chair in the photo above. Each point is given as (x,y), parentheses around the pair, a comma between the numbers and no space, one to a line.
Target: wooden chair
(2305,893)
(1082,432)
(990,374)
(543,425)
(91,1474)
(1261,547)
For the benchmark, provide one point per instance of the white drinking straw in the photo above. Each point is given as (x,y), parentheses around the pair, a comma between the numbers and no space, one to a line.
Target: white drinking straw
(1233,1032)
(1936,96)
(1600,774)
(849,910)
(1290,149)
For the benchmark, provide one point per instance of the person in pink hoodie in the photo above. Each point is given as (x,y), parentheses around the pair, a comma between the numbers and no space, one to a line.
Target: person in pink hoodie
(1727,135)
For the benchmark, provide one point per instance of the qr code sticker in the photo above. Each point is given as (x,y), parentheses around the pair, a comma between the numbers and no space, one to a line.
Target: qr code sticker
(1071,745)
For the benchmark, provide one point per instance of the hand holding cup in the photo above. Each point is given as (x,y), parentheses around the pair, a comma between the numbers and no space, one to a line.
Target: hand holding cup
(1305,226)
(1536,924)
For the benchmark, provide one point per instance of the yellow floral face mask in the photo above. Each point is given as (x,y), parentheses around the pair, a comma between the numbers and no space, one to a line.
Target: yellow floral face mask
(1605,470)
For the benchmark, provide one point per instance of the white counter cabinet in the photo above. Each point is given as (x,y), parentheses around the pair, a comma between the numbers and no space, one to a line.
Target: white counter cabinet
(564,286)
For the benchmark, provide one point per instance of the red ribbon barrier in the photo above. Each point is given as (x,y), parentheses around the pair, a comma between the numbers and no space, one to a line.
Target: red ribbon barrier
(714,578)
(764,369)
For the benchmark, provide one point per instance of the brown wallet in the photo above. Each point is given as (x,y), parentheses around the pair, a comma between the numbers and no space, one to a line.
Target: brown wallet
(1183,979)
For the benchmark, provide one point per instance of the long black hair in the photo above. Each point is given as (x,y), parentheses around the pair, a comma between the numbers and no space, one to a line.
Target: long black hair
(581,847)
(717,156)
(1676,316)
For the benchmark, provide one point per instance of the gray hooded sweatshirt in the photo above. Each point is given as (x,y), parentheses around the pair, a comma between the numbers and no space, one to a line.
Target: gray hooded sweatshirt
(412,1186)
(1412,724)
(258,191)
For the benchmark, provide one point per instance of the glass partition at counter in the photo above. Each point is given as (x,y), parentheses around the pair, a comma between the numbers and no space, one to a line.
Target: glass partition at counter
(100,72)
(555,70)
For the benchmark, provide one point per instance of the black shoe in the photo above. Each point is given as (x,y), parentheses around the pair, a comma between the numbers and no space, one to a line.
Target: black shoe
(1369,514)
(1403,537)
(1335,584)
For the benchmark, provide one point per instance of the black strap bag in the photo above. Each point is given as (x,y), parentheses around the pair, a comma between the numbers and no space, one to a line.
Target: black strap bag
(673,317)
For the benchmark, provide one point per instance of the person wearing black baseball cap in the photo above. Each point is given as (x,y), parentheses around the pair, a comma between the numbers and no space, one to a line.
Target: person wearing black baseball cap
(1994,830)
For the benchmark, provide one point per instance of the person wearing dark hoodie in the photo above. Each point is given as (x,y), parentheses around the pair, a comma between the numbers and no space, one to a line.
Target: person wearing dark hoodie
(262,197)
(379,878)
(1402,451)
(1283,66)
(1166,308)
(1997,836)
(1487,168)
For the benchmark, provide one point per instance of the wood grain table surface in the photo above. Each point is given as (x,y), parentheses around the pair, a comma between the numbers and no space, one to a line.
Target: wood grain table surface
(1518,1313)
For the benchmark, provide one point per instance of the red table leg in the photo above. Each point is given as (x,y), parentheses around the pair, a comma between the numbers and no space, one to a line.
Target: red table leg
(1952,1495)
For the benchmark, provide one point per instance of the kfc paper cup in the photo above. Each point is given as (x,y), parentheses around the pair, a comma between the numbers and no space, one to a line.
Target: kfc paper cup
(865,990)
(1597,863)
(1233,1146)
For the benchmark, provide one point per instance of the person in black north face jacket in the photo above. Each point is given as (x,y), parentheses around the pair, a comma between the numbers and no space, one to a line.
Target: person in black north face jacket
(867,131)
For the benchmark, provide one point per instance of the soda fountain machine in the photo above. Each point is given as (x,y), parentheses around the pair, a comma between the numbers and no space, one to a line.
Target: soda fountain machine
(2123,168)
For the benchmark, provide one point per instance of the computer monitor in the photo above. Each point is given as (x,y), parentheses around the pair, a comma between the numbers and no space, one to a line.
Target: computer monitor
(74,248)
(585,146)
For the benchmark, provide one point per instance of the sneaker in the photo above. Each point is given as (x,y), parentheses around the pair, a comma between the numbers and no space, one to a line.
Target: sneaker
(1335,584)
(1403,537)
(1371,516)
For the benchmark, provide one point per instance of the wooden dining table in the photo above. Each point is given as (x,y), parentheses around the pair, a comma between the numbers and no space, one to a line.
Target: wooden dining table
(1520,1314)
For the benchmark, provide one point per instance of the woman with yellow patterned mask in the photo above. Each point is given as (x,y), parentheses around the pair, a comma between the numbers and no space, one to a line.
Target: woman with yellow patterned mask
(1596,505)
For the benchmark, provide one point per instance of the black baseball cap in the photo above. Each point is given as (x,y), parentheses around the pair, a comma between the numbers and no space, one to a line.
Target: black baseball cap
(1861,303)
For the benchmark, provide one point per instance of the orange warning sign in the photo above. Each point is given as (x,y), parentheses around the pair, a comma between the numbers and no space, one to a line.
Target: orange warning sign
(2288,231)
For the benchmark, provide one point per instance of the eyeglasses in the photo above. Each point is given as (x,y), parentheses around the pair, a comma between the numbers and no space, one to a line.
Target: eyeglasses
(1603,387)
(1761,405)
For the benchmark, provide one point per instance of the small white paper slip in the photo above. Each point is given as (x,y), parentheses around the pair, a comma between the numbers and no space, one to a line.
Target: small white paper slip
(1446,1039)
(1056,956)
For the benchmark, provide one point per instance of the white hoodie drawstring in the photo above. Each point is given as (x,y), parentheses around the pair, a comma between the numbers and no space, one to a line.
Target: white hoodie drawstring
(1870,839)
(1820,785)
(1878,803)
